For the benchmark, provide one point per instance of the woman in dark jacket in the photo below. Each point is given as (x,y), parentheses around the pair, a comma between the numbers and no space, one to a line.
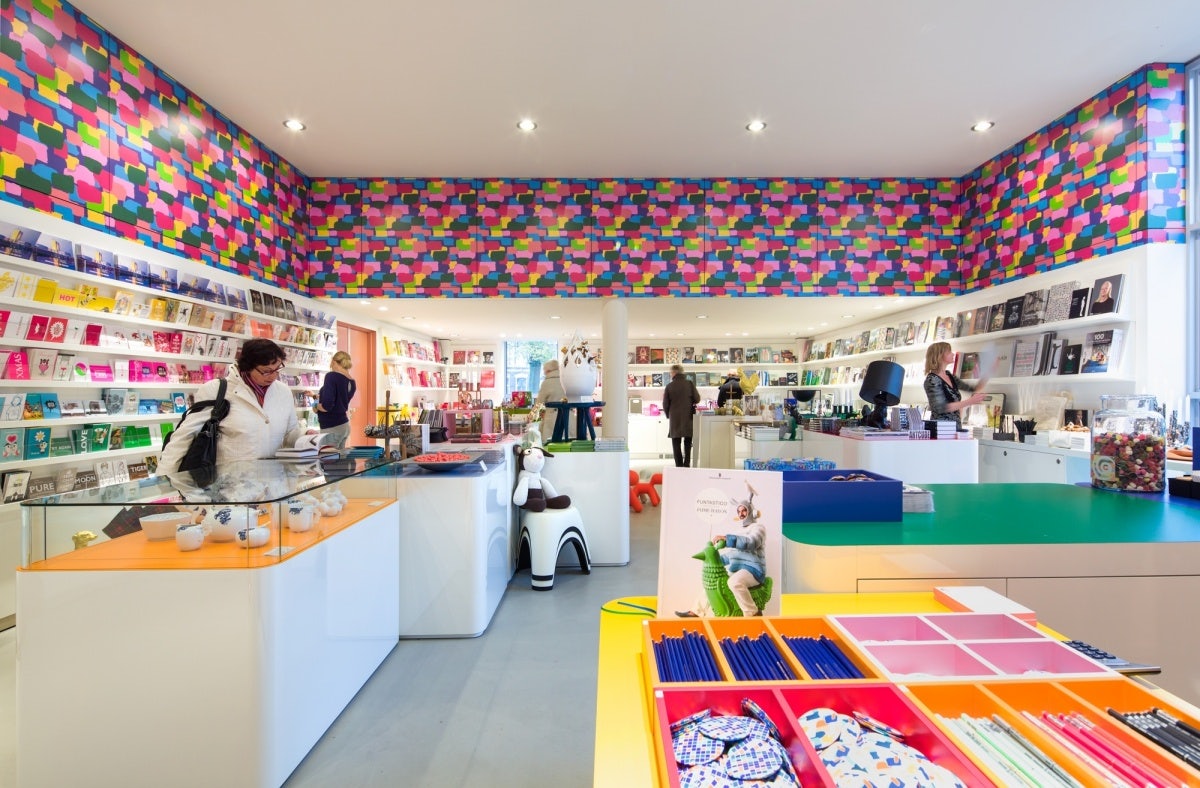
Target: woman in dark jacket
(680,399)
(333,402)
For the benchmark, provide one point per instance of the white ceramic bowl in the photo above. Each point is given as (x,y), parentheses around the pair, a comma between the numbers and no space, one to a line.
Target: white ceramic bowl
(189,537)
(253,537)
(160,527)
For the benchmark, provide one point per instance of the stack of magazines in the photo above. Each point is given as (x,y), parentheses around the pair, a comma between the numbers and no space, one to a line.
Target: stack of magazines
(917,499)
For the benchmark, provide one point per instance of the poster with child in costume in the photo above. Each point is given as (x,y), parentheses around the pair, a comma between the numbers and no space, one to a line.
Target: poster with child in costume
(721,543)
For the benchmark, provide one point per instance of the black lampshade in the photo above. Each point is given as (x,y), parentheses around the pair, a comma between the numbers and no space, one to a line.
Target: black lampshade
(882,383)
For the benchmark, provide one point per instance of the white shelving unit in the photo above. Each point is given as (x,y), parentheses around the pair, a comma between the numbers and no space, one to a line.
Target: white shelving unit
(1151,316)
(118,340)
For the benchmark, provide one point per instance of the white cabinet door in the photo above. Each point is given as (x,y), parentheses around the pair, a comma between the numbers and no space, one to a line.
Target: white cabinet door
(1018,464)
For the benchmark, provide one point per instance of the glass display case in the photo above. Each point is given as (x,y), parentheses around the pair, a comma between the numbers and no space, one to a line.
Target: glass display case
(256,607)
(254,513)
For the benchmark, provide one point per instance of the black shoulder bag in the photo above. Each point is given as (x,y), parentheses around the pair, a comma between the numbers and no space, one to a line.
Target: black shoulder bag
(201,457)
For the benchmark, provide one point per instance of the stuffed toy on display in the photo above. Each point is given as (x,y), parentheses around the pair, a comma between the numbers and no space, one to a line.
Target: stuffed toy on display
(533,492)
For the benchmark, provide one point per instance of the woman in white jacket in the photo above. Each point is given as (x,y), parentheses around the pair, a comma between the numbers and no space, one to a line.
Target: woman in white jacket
(262,412)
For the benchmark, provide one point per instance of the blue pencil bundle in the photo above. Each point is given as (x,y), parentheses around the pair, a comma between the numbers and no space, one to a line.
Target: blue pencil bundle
(822,658)
(685,658)
(756,659)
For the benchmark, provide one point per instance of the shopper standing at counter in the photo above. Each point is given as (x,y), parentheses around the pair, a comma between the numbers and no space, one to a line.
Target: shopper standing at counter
(679,402)
(262,413)
(731,388)
(333,403)
(943,389)
(551,390)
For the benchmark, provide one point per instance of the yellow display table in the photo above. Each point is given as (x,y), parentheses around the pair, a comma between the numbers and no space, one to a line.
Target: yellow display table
(628,732)
(624,753)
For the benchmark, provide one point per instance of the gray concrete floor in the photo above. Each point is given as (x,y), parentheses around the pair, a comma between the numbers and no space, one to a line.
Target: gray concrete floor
(513,707)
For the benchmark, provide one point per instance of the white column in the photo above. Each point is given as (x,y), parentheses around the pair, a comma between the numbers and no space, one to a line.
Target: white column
(615,341)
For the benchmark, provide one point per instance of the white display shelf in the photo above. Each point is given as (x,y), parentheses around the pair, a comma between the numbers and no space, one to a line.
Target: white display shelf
(86,456)
(105,418)
(414,361)
(51,385)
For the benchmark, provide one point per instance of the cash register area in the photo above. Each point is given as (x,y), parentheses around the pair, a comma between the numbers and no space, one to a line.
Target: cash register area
(524,715)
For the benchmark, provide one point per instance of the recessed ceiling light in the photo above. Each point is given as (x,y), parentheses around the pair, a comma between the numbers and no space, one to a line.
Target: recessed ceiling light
(651,335)
(745,334)
(847,316)
(383,309)
(526,124)
(982,125)
(810,328)
(294,125)
(755,126)
(502,336)
(702,317)
(824,324)
(408,317)
(555,317)
(680,334)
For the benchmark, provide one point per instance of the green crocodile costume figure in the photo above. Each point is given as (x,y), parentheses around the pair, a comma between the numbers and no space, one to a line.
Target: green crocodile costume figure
(714,578)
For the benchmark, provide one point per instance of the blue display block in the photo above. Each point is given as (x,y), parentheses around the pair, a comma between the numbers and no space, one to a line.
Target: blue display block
(810,497)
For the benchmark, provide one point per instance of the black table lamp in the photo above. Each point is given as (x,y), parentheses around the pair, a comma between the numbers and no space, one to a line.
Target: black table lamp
(881,386)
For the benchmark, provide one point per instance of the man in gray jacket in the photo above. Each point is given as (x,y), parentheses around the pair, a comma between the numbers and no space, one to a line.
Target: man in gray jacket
(679,403)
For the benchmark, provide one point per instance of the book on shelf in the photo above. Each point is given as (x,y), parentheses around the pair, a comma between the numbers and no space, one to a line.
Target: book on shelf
(16,367)
(1071,359)
(16,485)
(63,364)
(1045,347)
(1033,307)
(41,363)
(1025,357)
(1106,295)
(964,324)
(1079,303)
(37,443)
(1058,301)
(1013,311)
(61,446)
(50,408)
(998,359)
(1052,360)
(12,444)
(33,407)
(1102,351)
(969,366)
(996,317)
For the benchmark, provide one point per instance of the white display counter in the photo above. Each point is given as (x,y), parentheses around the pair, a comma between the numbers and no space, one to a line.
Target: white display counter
(598,483)
(914,462)
(200,677)
(453,549)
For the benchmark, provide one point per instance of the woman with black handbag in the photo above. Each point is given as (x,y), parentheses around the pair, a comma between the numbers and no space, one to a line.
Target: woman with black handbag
(261,414)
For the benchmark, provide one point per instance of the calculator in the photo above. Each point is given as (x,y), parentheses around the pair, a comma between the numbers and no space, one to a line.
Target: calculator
(1110,660)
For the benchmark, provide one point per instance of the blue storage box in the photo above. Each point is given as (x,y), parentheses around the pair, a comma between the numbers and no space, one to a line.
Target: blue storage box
(810,497)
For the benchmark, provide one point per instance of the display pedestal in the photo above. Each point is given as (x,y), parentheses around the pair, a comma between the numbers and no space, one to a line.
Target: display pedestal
(200,677)
(598,483)
(453,549)
(914,462)
(583,420)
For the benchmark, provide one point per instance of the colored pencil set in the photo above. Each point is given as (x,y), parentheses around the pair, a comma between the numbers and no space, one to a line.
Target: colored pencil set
(822,658)
(756,659)
(685,658)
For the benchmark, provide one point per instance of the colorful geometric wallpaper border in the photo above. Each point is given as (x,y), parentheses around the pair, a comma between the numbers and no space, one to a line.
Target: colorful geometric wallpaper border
(92,132)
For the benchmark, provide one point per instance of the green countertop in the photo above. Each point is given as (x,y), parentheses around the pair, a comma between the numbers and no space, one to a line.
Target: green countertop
(1020,514)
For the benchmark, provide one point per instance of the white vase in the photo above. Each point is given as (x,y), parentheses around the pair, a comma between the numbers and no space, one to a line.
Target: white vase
(578,381)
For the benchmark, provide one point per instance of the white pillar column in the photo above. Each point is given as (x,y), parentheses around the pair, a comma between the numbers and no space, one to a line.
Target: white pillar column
(615,341)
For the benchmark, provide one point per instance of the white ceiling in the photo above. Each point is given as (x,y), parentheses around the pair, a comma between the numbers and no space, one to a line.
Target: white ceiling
(646,88)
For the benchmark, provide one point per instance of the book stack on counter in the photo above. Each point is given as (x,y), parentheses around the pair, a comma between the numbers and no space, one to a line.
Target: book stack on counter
(872,434)
(917,499)
(610,444)
(944,430)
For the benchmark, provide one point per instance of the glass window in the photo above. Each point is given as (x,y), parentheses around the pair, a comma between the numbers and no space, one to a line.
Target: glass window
(523,365)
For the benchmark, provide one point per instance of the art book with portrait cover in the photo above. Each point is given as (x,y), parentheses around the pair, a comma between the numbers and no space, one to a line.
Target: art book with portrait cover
(701,505)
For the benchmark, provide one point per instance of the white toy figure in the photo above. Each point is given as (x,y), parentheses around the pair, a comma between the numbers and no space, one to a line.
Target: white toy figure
(533,492)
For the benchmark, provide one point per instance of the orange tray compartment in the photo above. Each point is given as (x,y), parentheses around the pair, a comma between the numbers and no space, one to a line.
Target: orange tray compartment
(654,630)
(754,628)
(954,700)
(814,628)
(1038,696)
